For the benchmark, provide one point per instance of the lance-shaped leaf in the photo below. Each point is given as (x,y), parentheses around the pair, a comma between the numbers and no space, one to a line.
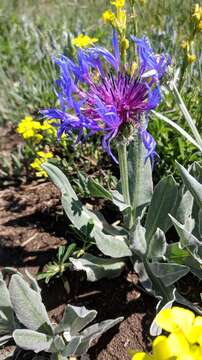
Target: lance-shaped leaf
(32,340)
(139,176)
(157,245)
(184,208)
(192,184)
(80,344)
(75,319)
(200,222)
(176,254)
(137,239)
(7,321)
(80,216)
(188,240)
(169,273)
(118,200)
(28,306)
(93,332)
(163,202)
(97,268)
(97,190)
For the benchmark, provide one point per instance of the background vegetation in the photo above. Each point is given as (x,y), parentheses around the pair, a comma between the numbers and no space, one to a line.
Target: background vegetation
(31,32)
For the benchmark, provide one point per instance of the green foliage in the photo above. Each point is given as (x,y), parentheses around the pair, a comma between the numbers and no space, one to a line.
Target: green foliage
(24,319)
(58,267)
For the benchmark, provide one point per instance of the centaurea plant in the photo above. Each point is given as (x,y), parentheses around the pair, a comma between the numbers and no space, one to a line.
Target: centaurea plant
(102,94)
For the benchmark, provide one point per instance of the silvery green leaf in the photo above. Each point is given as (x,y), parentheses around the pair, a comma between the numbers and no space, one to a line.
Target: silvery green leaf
(176,254)
(28,306)
(200,222)
(80,216)
(168,273)
(188,240)
(5,300)
(157,245)
(33,283)
(59,179)
(143,277)
(72,346)
(194,266)
(184,209)
(97,268)
(75,319)
(118,200)
(93,332)
(196,171)
(80,344)
(163,202)
(137,239)
(32,340)
(97,190)
(192,184)
(7,321)
(152,284)
(97,329)
(4,339)
(139,176)
(57,345)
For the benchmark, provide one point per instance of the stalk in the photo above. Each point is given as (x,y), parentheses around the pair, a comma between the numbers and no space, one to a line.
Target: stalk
(123,166)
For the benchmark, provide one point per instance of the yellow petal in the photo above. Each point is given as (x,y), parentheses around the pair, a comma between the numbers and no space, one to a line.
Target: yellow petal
(178,344)
(161,348)
(195,333)
(174,319)
(165,320)
(141,356)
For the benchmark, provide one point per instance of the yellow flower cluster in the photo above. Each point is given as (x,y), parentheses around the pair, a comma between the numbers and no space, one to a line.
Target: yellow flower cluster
(184,341)
(197,16)
(29,128)
(83,41)
(36,164)
(119,20)
(118,3)
(188,46)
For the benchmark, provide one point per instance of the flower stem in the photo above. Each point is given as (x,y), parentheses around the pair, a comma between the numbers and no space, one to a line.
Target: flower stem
(123,165)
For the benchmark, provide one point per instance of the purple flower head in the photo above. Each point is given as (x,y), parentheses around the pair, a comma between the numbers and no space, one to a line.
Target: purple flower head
(105,97)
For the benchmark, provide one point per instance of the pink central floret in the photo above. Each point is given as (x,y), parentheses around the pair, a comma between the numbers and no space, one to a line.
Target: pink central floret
(127,94)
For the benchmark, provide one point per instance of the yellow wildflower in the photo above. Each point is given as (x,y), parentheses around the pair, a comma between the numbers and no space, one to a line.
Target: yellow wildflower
(200,25)
(28,127)
(118,3)
(108,16)
(185,340)
(120,21)
(197,12)
(83,41)
(36,164)
(185,44)
(191,58)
